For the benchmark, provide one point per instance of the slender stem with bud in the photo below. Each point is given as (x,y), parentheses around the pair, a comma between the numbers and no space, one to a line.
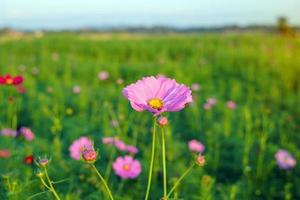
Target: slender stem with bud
(164,161)
(180,179)
(104,182)
(152,160)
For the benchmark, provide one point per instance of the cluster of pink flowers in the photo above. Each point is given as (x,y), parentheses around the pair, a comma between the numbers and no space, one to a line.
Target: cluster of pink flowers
(120,145)
(285,160)
(23,131)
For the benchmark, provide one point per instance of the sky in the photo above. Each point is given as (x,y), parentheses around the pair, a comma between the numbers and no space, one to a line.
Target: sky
(73,14)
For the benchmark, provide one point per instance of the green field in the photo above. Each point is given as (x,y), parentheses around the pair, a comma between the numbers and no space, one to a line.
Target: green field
(259,71)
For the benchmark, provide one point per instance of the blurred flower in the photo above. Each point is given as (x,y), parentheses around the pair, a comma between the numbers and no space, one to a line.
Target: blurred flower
(162,121)
(89,156)
(207,106)
(11,80)
(196,146)
(22,68)
(284,159)
(4,153)
(120,81)
(196,87)
(114,123)
(200,160)
(8,132)
(131,149)
(28,160)
(157,95)
(231,105)
(27,133)
(69,111)
(211,101)
(120,145)
(20,89)
(76,89)
(80,145)
(127,168)
(108,140)
(55,56)
(49,89)
(103,75)
(35,71)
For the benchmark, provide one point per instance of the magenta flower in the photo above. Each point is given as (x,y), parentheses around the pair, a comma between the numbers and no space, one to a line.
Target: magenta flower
(27,133)
(157,95)
(196,146)
(285,160)
(79,146)
(127,168)
(231,105)
(8,132)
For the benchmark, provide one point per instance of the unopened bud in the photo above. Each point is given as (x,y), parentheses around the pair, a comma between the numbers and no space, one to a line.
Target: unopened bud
(89,156)
(162,121)
(200,160)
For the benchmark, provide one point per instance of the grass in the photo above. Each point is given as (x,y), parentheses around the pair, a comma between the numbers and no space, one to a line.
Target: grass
(259,71)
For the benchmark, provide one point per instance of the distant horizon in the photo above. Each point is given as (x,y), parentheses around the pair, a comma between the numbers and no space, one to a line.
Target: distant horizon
(79,14)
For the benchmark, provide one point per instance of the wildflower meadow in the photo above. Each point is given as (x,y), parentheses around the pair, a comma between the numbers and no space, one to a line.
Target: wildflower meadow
(124,116)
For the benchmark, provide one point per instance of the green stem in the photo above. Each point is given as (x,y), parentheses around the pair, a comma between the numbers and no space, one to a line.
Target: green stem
(180,179)
(152,160)
(51,185)
(164,161)
(104,182)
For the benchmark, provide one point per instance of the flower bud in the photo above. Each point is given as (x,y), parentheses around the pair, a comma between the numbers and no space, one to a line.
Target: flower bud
(39,174)
(43,162)
(162,121)
(89,156)
(200,160)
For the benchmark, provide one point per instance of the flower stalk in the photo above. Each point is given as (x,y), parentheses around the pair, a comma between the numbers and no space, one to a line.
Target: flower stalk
(152,160)
(104,182)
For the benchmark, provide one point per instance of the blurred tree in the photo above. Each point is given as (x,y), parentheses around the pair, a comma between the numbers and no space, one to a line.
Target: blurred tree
(284,28)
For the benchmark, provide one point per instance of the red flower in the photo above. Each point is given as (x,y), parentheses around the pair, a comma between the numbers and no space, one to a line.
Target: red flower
(4,153)
(28,160)
(9,80)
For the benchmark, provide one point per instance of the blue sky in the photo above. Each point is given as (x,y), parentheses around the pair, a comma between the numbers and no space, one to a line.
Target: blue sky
(57,14)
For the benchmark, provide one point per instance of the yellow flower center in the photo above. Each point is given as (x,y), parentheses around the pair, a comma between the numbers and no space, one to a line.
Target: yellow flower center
(156,103)
(126,167)
(9,81)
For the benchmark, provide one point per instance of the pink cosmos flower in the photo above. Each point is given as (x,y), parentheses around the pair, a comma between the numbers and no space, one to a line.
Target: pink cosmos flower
(196,146)
(207,106)
(8,132)
(108,140)
(231,105)
(157,95)
(27,133)
(76,89)
(196,87)
(4,153)
(131,149)
(127,168)
(285,160)
(211,101)
(80,145)
(103,75)
(120,145)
